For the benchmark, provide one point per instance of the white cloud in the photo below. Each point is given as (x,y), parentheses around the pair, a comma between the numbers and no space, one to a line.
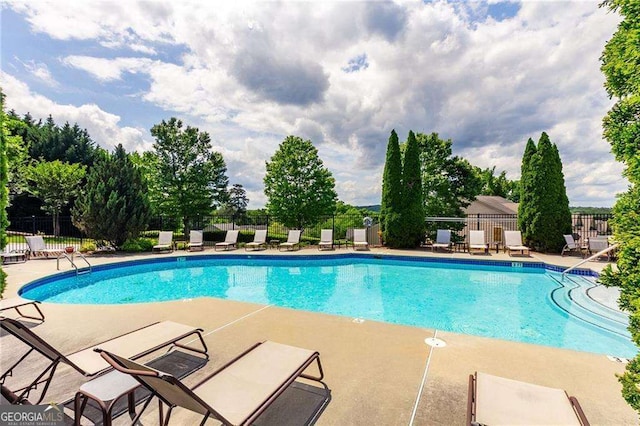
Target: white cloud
(108,69)
(103,127)
(251,73)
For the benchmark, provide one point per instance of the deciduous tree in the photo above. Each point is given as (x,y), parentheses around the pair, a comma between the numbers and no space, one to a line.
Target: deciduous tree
(449,183)
(191,176)
(56,184)
(114,205)
(299,188)
(621,67)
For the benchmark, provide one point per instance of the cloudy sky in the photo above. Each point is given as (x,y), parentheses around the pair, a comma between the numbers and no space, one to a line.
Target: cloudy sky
(488,75)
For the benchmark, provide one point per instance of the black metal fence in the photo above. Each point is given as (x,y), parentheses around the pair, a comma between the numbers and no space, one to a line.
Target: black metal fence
(215,227)
(583,225)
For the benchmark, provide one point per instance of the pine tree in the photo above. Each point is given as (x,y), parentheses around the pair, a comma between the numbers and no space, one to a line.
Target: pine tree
(390,205)
(527,191)
(412,214)
(114,205)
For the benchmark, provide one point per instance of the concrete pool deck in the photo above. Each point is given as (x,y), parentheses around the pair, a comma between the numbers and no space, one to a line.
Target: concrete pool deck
(374,370)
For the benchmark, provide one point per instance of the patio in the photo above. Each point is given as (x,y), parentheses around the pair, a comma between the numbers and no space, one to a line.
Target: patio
(374,370)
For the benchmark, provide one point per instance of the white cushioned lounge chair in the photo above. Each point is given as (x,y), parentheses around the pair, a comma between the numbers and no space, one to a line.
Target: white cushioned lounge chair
(259,241)
(165,241)
(513,242)
(477,242)
(230,241)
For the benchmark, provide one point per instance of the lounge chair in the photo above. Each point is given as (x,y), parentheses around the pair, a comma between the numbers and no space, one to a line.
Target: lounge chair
(513,242)
(236,394)
(196,240)
(572,246)
(498,401)
(17,303)
(326,239)
(360,239)
(87,362)
(597,244)
(38,248)
(165,241)
(293,240)
(259,241)
(230,241)
(477,242)
(443,240)
(7,256)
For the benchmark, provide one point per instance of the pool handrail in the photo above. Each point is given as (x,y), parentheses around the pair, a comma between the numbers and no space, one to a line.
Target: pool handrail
(583,261)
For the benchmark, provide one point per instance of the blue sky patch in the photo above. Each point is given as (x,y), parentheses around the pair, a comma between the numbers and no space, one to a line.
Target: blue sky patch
(357,63)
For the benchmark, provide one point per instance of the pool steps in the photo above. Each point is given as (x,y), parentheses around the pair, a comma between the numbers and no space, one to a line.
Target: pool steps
(572,297)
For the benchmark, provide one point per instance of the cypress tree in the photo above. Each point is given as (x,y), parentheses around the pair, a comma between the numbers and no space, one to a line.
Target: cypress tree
(114,206)
(527,190)
(413,216)
(562,219)
(391,203)
(544,214)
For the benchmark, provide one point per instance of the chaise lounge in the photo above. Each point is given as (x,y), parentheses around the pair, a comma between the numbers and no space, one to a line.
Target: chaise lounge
(293,240)
(236,394)
(572,246)
(495,400)
(38,248)
(360,239)
(259,241)
(513,242)
(87,362)
(196,241)
(477,242)
(326,239)
(165,241)
(17,303)
(443,240)
(230,241)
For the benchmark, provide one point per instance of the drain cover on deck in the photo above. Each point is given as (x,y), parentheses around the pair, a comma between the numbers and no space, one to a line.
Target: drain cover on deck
(435,343)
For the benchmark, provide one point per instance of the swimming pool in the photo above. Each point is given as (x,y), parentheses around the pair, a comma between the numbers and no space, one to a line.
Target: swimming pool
(513,301)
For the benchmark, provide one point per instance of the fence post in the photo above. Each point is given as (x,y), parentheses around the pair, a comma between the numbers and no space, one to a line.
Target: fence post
(33,224)
(333,227)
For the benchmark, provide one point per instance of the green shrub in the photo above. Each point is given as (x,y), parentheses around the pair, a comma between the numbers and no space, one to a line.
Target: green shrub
(3,281)
(88,246)
(136,245)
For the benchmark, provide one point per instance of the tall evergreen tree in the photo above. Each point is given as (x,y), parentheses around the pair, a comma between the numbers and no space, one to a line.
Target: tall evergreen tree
(620,65)
(545,209)
(114,205)
(412,214)
(391,203)
(562,214)
(527,191)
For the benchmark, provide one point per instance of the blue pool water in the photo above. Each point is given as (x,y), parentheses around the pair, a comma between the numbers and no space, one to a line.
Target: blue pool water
(526,304)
